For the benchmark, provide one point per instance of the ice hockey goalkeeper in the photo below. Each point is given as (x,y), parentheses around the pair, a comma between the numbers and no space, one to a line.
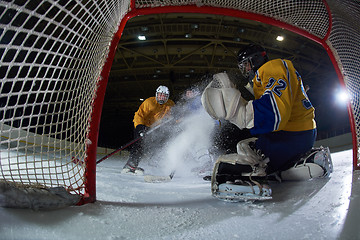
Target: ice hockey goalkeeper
(281,118)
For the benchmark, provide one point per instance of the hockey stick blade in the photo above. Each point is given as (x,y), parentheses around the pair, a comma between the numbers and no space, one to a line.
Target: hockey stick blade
(158,179)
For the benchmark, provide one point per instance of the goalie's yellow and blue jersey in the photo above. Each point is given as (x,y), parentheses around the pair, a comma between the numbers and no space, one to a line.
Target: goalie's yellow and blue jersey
(281,102)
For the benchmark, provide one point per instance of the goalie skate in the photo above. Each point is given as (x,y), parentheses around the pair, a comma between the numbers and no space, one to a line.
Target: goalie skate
(243,191)
(132,170)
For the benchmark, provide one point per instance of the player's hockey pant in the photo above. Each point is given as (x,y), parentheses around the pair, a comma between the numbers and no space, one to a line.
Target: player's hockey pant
(136,151)
(284,148)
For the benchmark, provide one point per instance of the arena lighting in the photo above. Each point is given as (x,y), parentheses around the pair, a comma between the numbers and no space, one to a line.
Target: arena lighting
(280,38)
(342,96)
(141,37)
(141,99)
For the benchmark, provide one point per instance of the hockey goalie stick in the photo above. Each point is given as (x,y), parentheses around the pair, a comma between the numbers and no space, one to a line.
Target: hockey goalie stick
(158,179)
(134,141)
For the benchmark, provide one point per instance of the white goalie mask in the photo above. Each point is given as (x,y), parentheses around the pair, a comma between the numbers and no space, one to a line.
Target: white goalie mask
(162,94)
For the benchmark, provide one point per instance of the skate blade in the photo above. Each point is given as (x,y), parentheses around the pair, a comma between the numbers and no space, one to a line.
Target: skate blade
(238,193)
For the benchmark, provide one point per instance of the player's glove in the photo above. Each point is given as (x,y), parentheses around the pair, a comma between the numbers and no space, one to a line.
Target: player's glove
(141,130)
(223,101)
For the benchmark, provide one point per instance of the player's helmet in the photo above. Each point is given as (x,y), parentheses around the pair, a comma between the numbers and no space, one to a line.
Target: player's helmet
(162,94)
(250,58)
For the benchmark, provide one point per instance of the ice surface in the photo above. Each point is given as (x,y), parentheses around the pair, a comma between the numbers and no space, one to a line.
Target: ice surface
(129,208)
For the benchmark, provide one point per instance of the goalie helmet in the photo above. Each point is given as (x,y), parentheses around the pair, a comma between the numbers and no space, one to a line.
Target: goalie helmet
(250,59)
(162,94)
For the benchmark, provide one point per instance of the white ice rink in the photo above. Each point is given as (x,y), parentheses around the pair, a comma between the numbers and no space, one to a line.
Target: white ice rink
(129,208)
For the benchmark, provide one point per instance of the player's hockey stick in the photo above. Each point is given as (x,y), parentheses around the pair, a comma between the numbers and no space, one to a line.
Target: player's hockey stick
(119,149)
(76,160)
(158,179)
(133,141)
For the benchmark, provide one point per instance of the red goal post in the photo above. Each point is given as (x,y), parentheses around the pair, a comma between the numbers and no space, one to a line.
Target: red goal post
(55,60)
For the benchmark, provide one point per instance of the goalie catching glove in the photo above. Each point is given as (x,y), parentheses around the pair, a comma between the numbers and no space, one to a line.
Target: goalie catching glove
(222,100)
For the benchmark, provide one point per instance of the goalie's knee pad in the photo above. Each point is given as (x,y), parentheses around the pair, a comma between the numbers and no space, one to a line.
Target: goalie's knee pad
(316,164)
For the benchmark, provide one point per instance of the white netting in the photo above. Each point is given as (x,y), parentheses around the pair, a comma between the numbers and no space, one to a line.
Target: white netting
(311,16)
(344,39)
(52,54)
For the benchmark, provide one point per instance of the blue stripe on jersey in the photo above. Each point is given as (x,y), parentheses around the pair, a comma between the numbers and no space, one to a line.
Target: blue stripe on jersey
(287,75)
(266,114)
(257,76)
(276,111)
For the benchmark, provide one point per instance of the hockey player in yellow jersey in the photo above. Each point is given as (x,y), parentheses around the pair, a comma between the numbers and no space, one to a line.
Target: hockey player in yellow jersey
(151,111)
(280,84)
(149,114)
(281,119)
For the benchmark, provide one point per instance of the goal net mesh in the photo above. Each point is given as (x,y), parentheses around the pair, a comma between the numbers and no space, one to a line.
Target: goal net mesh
(52,54)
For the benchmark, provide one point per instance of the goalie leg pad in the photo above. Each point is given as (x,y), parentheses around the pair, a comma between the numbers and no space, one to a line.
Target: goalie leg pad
(249,155)
(323,158)
(234,179)
(302,172)
(316,164)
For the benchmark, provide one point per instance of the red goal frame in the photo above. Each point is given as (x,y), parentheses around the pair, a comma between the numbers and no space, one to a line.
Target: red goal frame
(56,58)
